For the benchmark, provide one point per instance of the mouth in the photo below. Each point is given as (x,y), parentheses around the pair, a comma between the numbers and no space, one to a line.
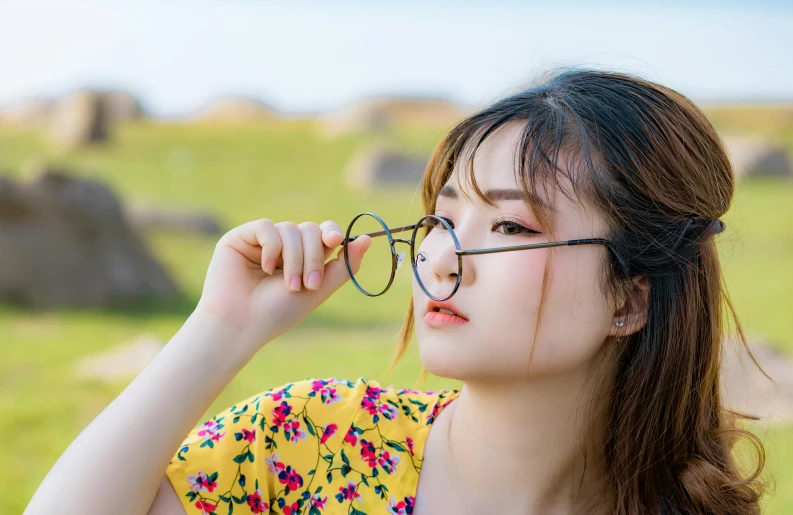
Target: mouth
(445,307)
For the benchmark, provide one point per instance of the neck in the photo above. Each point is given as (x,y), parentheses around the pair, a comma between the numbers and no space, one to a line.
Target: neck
(535,444)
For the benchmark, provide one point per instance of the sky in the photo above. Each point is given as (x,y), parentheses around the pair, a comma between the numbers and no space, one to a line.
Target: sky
(303,57)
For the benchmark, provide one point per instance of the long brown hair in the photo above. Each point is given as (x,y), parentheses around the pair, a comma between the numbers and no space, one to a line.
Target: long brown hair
(656,169)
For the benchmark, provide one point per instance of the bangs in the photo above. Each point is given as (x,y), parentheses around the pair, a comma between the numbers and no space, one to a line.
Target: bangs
(550,156)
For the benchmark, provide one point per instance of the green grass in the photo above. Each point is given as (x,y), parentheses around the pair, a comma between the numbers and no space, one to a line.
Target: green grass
(287,171)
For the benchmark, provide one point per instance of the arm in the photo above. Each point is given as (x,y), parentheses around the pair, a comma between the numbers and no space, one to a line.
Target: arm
(116,464)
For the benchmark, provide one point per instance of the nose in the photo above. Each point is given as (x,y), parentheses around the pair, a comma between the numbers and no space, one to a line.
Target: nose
(444,263)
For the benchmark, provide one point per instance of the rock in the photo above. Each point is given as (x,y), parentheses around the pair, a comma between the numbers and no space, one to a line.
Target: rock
(30,113)
(120,107)
(234,110)
(123,362)
(378,114)
(178,221)
(66,243)
(380,166)
(747,390)
(79,119)
(757,157)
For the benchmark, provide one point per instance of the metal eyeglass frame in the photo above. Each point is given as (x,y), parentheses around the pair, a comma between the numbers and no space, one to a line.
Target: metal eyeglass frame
(458,251)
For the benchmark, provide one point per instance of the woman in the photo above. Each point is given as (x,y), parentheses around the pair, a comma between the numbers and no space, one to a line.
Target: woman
(590,372)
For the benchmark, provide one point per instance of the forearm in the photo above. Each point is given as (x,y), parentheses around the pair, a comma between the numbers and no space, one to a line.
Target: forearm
(116,464)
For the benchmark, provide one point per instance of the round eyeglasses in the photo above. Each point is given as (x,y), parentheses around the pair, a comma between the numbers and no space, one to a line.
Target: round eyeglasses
(431,239)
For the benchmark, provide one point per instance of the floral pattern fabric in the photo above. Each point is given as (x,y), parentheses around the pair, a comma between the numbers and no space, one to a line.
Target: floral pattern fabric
(314,447)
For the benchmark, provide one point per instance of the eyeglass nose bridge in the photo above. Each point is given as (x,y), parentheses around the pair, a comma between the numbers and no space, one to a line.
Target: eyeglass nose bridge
(400,257)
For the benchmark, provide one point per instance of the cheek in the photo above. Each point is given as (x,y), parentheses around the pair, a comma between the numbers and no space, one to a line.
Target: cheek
(575,319)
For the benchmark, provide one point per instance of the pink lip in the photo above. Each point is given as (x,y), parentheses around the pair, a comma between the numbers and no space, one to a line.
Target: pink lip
(433,305)
(438,319)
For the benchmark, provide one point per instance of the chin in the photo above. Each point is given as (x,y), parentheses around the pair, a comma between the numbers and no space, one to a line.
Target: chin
(445,356)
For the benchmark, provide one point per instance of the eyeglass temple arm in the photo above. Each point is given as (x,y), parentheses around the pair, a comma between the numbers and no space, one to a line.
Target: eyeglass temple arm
(533,246)
(588,241)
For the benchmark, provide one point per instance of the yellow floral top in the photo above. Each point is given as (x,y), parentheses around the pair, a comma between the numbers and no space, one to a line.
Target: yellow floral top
(314,447)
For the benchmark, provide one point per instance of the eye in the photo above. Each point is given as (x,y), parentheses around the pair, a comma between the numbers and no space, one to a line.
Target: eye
(513,228)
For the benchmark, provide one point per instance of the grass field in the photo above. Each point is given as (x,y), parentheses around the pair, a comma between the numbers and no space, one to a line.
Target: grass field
(287,171)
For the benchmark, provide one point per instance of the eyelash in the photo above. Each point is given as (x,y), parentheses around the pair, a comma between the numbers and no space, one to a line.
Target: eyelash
(505,223)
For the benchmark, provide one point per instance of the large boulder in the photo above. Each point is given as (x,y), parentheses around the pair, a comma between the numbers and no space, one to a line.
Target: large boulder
(381,113)
(29,113)
(120,107)
(757,157)
(79,118)
(76,119)
(380,166)
(235,110)
(66,243)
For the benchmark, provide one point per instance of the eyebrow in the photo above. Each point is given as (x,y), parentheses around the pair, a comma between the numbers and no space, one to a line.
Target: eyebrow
(496,195)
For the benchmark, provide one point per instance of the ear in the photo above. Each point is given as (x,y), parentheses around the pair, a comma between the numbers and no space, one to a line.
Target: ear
(633,312)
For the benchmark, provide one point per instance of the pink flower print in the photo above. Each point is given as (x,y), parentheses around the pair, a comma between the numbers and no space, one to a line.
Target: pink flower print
(369,405)
(292,431)
(273,465)
(388,462)
(436,409)
(294,509)
(280,413)
(202,482)
(397,508)
(277,396)
(246,435)
(410,446)
(348,492)
(403,391)
(206,507)
(368,453)
(319,502)
(290,478)
(210,430)
(329,431)
(373,392)
(388,411)
(352,436)
(318,385)
(256,503)
(329,395)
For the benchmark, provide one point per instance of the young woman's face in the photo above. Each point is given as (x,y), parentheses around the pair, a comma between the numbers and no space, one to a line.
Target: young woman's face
(499,293)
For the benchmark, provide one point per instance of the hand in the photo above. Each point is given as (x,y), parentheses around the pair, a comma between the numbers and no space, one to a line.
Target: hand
(265,277)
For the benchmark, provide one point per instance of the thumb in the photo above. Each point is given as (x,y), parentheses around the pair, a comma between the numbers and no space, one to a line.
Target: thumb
(336,270)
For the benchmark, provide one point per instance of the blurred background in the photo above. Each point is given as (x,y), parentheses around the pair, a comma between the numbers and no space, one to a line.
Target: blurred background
(132,135)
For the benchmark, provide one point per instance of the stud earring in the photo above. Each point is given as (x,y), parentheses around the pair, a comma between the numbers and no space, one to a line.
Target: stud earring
(620,323)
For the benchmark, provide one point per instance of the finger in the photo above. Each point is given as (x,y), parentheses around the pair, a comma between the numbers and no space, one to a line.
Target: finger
(332,236)
(336,273)
(270,243)
(249,238)
(291,253)
(313,254)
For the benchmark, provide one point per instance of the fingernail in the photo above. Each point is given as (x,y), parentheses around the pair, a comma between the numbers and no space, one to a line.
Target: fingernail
(334,232)
(294,284)
(313,280)
(269,267)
